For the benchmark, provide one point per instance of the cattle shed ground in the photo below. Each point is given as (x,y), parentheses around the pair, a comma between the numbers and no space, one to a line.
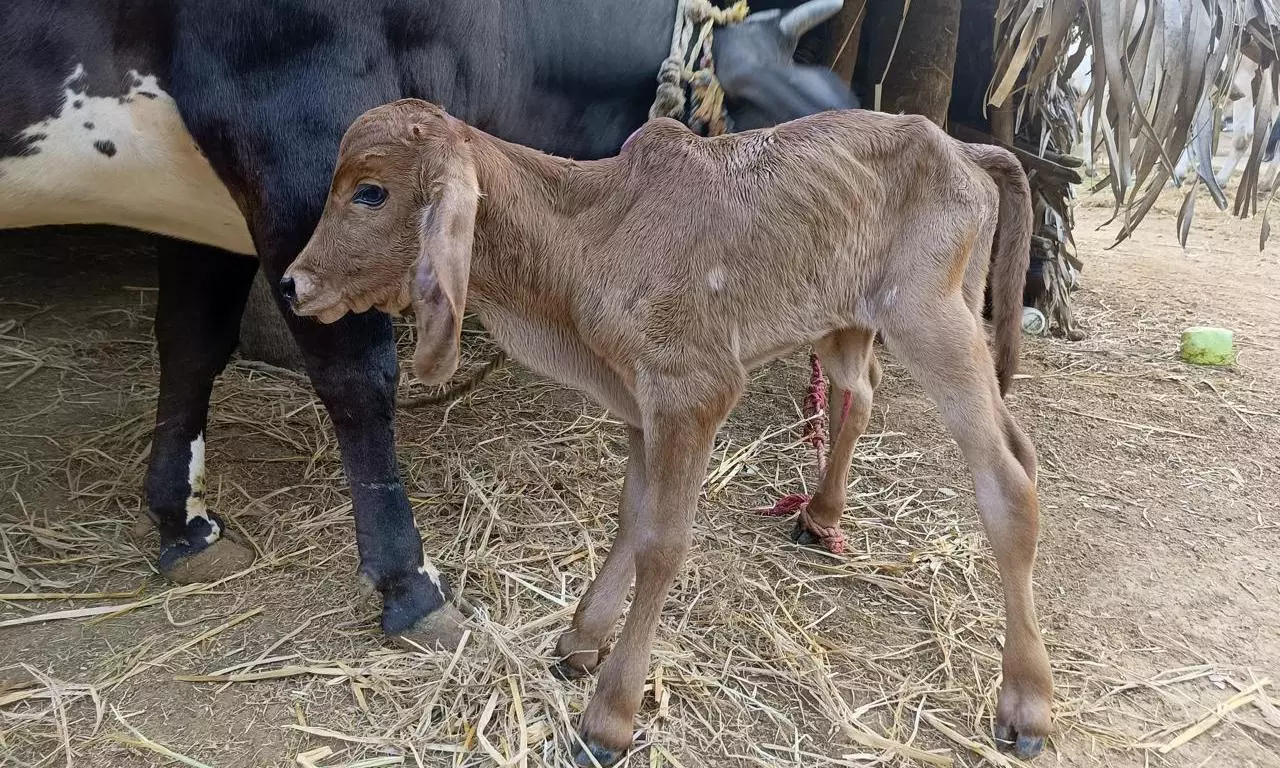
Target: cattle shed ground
(1158,578)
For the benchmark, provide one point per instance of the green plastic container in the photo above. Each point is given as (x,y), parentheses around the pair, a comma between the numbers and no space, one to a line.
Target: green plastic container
(1208,346)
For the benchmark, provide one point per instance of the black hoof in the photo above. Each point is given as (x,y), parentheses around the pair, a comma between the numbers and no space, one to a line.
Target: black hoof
(595,754)
(806,538)
(205,552)
(409,599)
(803,536)
(1023,747)
(442,629)
(199,534)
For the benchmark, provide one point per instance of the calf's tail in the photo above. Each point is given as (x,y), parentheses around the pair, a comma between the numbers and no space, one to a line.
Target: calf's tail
(1011,252)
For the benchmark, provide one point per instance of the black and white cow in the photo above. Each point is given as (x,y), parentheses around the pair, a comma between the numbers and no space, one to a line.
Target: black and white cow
(217,122)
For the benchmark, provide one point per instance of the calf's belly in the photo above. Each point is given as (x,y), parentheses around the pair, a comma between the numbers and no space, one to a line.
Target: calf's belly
(560,355)
(127,161)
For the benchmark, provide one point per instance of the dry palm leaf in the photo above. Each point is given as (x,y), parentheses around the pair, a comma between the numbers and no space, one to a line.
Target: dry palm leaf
(1162,72)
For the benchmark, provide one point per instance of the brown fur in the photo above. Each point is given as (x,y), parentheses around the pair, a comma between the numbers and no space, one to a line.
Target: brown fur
(1012,254)
(657,279)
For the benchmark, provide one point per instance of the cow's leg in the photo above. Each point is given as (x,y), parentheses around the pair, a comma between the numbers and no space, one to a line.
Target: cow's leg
(583,646)
(849,359)
(353,365)
(678,437)
(1271,170)
(272,137)
(952,363)
(202,295)
(1241,139)
(1183,166)
(1239,149)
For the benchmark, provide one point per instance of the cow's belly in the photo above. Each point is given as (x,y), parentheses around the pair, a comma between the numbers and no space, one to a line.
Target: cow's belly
(127,161)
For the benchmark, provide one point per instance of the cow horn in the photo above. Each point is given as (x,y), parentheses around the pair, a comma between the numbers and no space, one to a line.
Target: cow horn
(807,16)
(768,15)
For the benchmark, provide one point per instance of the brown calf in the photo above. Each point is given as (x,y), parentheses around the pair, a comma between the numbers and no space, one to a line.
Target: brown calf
(656,280)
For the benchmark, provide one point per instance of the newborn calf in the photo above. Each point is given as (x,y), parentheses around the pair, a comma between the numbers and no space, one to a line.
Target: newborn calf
(655,280)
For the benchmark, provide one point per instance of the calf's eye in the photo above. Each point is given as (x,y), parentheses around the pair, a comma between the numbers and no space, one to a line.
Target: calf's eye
(370,195)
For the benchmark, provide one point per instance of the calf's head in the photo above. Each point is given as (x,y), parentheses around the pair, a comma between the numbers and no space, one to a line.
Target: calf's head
(396,229)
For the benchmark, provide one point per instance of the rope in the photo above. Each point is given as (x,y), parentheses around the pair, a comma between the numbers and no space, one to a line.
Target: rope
(815,433)
(815,406)
(678,69)
(497,361)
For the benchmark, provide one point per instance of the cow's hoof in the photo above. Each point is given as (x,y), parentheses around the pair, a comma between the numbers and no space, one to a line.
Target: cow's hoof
(1024,747)
(217,561)
(596,754)
(830,539)
(441,629)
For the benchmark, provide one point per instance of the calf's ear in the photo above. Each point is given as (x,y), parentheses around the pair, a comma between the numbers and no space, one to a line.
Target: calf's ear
(442,270)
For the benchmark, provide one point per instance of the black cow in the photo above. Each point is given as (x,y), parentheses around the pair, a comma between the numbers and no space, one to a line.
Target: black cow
(218,121)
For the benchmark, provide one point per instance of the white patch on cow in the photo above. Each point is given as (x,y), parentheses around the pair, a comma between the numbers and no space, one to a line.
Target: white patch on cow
(717,278)
(429,570)
(890,297)
(195,498)
(151,175)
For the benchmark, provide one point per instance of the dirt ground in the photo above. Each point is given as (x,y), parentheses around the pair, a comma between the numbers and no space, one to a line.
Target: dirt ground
(1158,579)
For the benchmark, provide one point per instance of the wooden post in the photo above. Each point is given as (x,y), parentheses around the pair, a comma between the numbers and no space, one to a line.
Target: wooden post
(1002,122)
(840,48)
(915,67)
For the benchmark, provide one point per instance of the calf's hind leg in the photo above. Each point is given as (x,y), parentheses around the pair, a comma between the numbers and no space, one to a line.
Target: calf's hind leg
(849,358)
(951,362)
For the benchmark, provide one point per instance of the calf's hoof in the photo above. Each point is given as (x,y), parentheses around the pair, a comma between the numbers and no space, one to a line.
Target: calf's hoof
(596,754)
(566,670)
(576,663)
(1022,722)
(606,733)
(806,534)
(441,629)
(216,561)
(1023,747)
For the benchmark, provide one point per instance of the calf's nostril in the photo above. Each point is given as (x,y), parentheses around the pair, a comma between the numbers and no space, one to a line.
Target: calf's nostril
(289,289)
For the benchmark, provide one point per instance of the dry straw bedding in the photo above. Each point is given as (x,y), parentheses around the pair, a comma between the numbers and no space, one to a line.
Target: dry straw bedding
(768,655)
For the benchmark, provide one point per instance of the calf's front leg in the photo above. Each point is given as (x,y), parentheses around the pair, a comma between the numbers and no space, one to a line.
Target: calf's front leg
(677,447)
(582,647)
